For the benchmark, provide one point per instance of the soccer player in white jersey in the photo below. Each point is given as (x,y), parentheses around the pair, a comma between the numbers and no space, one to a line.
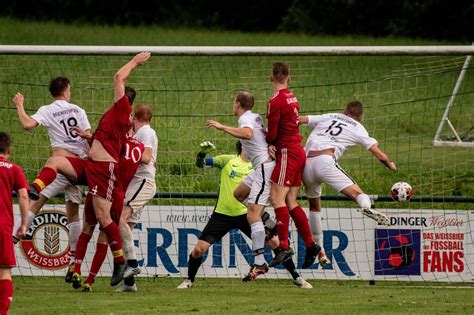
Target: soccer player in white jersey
(140,191)
(58,117)
(333,133)
(251,132)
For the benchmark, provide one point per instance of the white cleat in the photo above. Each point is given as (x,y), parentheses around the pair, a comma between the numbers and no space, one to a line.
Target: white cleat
(187,284)
(302,283)
(378,217)
(127,288)
(131,271)
(324,261)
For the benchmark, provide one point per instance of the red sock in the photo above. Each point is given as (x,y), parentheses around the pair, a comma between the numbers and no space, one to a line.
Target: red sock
(99,257)
(45,177)
(302,224)
(6,295)
(113,236)
(283,224)
(81,248)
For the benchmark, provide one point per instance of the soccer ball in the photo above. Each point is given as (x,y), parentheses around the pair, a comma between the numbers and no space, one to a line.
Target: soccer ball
(401,191)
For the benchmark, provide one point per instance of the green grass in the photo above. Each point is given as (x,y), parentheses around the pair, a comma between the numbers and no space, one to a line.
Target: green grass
(404,100)
(232,296)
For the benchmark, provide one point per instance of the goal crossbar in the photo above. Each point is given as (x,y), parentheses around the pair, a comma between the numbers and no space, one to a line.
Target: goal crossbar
(239,50)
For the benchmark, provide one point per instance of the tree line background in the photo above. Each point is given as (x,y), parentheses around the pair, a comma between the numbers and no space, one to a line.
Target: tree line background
(435,19)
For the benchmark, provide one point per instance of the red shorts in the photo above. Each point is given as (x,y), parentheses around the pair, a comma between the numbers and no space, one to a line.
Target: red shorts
(289,166)
(115,210)
(7,257)
(79,166)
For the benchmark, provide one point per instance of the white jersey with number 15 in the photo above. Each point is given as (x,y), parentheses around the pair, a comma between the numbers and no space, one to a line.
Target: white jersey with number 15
(336,131)
(58,117)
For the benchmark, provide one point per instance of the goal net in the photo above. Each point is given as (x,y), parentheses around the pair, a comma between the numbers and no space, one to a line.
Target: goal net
(404,91)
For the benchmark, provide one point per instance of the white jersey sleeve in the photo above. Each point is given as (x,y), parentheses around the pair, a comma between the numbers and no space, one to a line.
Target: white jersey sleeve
(246,121)
(41,116)
(83,120)
(147,136)
(257,147)
(364,139)
(313,120)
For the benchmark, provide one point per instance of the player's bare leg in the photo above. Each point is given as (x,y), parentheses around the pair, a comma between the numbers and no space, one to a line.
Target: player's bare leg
(102,213)
(316,226)
(259,267)
(241,192)
(54,165)
(356,194)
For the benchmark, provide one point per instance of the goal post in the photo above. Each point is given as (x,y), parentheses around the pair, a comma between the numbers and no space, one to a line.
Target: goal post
(404,90)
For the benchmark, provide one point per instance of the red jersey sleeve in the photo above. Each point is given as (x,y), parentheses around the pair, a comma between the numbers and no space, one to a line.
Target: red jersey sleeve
(20,179)
(273,119)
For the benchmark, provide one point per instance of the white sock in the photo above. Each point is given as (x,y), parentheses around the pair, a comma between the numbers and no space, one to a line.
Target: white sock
(75,230)
(31,217)
(258,241)
(127,242)
(363,201)
(316,226)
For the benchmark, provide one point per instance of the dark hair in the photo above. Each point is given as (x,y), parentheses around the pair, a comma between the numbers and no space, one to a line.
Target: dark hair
(130,92)
(5,142)
(245,99)
(238,147)
(280,71)
(354,109)
(58,85)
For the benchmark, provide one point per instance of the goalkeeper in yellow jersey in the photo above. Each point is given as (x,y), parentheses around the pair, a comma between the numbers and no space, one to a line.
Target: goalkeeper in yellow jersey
(229,213)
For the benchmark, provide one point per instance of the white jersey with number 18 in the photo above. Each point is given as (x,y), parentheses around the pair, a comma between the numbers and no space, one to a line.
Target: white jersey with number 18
(336,131)
(58,117)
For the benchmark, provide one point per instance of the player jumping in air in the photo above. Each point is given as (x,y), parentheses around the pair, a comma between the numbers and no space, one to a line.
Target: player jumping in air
(12,179)
(251,133)
(58,117)
(283,134)
(333,133)
(101,170)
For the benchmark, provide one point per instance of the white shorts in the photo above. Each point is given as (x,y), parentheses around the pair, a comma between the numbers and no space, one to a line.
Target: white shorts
(139,192)
(324,169)
(73,193)
(259,183)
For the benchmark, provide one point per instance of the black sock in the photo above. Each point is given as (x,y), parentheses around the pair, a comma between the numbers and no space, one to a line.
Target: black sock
(132,263)
(289,265)
(193,266)
(129,281)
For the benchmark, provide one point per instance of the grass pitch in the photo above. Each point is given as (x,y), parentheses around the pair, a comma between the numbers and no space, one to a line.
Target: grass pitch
(50,295)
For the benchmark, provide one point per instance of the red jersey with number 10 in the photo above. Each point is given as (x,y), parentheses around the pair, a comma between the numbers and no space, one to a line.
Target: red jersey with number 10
(282,116)
(129,162)
(113,127)
(12,179)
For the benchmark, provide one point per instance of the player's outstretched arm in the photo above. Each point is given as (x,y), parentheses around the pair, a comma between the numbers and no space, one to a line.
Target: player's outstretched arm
(122,75)
(382,157)
(240,133)
(23,201)
(303,120)
(26,121)
(205,147)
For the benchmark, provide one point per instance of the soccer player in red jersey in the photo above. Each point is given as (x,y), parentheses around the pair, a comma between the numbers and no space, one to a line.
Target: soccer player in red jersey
(283,134)
(12,179)
(128,166)
(101,170)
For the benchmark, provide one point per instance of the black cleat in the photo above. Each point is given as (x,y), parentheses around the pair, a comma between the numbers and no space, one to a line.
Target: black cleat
(281,256)
(119,270)
(33,193)
(76,280)
(69,273)
(311,254)
(255,271)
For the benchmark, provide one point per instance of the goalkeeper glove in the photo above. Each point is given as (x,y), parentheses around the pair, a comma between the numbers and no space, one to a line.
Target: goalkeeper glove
(206,147)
